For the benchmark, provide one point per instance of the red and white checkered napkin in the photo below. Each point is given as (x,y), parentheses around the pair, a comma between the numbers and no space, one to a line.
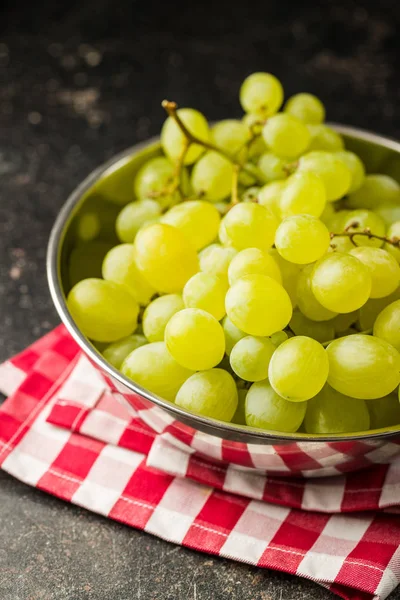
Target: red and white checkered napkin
(63,431)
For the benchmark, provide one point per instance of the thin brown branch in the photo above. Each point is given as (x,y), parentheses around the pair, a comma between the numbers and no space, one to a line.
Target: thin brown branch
(366,233)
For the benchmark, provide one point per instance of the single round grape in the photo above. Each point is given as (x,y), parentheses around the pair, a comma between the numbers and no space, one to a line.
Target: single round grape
(199,221)
(290,274)
(104,311)
(359,220)
(195,339)
(356,167)
(262,94)
(230,135)
(120,266)
(265,409)
(212,177)
(133,216)
(239,418)
(250,194)
(157,315)
(393,233)
(307,302)
(383,268)
(325,138)
(384,412)
(343,322)
(272,167)
(258,305)
(278,338)
(298,369)
(371,309)
(341,282)
(88,226)
(286,136)
(302,239)
(333,171)
(322,331)
(206,291)
(250,357)
(116,352)
(388,212)
(387,324)
(376,190)
(155,178)
(250,226)
(210,393)
(270,197)
(154,369)
(304,194)
(306,107)
(232,334)
(363,366)
(251,261)
(215,259)
(173,140)
(86,259)
(165,256)
(332,412)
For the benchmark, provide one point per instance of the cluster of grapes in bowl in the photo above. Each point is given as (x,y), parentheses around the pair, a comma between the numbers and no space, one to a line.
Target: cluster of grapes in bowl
(257,276)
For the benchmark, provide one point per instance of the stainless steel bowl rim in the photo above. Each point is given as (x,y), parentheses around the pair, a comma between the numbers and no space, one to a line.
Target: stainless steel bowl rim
(219,427)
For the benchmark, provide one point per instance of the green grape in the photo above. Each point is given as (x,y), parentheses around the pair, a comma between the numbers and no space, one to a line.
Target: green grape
(261,94)
(328,214)
(376,190)
(215,259)
(254,122)
(272,167)
(250,195)
(206,291)
(210,393)
(116,352)
(322,331)
(270,197)
(337,221)
(250,226)
(155,178)
(258,305)
(306,107)
(356,167)
(290,275)
(387,324)
(212,177)
(389,213)
(304,194)
(393,233)
(199,221)
(360,220)
(250,357)
(341,282)
(325,138)
(302,239)
(239,418)
(340,244)
(85,260)
(133,216)
(249,175)
(343,322)
(251,261)
(173,141)
(104,311)
(332,412)
(232,335)
(230,135)
(195,339)
(165,256)
(265,409)
(307,302)
(363,366)
(372,308)
(278,338)
(384,412)
(298,369)
(383,267)
(154,369)
(333,171)
(157,315)
(120,266)
(88,226)
(286,136)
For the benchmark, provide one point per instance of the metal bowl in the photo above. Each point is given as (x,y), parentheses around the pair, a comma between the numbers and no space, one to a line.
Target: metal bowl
(96,202)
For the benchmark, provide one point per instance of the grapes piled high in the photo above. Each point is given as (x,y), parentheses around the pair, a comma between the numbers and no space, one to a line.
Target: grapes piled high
(257,276)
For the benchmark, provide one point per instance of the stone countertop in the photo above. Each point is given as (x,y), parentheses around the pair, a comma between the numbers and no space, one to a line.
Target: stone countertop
(77,84)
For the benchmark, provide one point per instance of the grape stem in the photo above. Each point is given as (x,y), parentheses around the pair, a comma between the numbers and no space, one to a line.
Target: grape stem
(366,332)
(365,233)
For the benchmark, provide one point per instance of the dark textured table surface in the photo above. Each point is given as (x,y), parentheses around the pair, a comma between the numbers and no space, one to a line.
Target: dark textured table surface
(78,84)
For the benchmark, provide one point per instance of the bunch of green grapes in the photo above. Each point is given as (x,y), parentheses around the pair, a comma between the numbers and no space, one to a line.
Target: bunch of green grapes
(257,278)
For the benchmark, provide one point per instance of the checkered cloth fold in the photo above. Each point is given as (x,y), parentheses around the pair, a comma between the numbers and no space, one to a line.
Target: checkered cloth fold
(63,430)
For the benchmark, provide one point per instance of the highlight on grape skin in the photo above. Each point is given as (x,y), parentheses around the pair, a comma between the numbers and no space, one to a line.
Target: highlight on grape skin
(252,273)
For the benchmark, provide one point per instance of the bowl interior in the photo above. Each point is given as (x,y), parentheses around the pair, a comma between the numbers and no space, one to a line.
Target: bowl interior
(88,217)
